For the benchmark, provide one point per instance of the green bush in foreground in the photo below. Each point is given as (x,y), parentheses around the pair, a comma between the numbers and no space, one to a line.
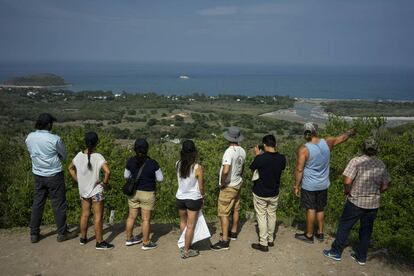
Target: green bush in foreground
(393,228)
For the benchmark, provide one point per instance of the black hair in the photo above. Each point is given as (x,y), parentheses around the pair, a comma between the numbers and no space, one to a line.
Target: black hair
(45,121)
(43,125)
(269,140)
(141,151)
(188,158)
(91,141)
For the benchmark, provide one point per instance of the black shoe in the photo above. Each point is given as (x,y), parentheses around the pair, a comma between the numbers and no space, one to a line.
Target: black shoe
(260,247)
(83,241)
(34,238)
(304,237)
(67,236)
(103,246)
(221,245)
(355,258)
(319,237)
(231,235)
(271,244)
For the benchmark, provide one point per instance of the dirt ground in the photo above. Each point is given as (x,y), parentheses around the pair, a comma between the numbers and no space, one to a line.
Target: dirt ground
(289,256)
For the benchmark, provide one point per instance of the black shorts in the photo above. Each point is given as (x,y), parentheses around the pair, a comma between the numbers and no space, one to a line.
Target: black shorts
(315,200)
(189,204)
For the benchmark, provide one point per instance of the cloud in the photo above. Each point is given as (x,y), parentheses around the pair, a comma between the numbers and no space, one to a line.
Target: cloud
(219,11)
(262,9)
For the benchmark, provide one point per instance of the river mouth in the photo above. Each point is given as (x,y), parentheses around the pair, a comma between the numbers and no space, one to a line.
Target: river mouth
(311,110)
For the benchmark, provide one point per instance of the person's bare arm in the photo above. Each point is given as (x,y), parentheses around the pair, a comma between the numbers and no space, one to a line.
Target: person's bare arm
(333,141)
(200,178)
(347,185)
(384,186)
(72,171)
(107,173)
(302,156)
(225,172)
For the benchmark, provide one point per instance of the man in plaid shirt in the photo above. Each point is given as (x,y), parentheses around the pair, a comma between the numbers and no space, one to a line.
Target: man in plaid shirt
(365,177)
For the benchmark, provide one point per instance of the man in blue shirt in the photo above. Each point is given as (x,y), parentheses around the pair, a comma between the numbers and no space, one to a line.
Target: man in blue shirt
(47,151)
(312,178)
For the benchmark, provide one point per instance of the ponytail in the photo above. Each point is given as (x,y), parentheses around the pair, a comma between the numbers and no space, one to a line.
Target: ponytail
(91,140)
(89,159)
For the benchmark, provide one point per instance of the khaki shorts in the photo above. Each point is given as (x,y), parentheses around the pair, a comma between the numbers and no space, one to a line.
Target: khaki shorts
(142,199)
(229,199)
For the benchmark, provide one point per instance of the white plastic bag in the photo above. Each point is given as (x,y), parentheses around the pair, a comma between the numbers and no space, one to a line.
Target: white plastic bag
(201,231)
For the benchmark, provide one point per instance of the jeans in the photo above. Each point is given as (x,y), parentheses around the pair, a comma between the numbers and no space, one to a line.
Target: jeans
(265,208)
(350,216)
(54,187)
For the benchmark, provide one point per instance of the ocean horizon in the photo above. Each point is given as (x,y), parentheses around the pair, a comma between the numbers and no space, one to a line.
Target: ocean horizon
(301,81)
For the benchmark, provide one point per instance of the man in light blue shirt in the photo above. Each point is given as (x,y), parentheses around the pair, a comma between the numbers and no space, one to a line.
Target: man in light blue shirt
(47,151)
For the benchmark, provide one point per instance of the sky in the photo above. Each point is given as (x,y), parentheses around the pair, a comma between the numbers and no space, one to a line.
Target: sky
(323,32)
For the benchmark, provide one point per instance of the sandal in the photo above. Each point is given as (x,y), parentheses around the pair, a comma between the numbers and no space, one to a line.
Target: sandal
(189,253)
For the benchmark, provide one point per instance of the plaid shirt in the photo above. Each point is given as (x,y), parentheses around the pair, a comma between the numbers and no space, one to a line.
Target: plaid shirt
(368,174)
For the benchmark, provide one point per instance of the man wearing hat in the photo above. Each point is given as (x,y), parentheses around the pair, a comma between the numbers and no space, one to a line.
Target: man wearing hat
(230,181)
(312,178)
(47,151)
(365,177)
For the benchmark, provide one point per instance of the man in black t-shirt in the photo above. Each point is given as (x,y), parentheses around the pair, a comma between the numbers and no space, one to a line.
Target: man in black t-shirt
(268,167)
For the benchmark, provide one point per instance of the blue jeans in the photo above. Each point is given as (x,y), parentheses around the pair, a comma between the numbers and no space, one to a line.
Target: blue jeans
(350,216)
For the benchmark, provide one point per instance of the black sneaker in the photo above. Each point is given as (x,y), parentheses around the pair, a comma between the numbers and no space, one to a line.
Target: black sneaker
(271,244)
(221,245)
(83,241)
(34,238)
(260,247)
(232,236)
(149,246)
(67,236)
(304,237)
(355,258)
(133,240)
(319,237)
(104,246)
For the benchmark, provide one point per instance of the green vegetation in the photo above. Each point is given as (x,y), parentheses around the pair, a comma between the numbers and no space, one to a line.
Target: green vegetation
(369,108)
(127,116)
(37,80)
(130,116)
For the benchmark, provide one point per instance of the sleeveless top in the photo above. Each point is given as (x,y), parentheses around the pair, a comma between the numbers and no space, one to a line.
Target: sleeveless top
(188,187)
(316,171)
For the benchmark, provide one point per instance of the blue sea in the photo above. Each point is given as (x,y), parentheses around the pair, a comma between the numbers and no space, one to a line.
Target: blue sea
(329,82)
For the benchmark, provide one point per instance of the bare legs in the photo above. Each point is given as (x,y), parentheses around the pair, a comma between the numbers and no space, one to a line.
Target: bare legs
(132,215)
(235,222)
(311,216)
(320,217)
(188,219)
(225,222)
(145,225)
(98,208)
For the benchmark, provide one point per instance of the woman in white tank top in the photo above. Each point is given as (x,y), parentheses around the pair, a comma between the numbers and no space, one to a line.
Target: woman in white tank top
(190,193)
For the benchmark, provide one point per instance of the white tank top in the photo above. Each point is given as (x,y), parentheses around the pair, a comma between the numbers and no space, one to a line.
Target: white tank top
(188,187)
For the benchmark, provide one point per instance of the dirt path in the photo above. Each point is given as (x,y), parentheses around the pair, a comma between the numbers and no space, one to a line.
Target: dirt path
(289,256)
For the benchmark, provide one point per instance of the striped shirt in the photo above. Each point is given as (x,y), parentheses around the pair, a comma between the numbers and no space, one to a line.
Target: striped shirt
(368,174)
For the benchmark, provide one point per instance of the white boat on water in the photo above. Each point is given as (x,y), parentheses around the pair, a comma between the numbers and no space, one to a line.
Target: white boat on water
(184,77)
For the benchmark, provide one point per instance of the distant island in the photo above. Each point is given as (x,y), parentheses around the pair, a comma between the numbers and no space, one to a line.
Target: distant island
(35,80)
